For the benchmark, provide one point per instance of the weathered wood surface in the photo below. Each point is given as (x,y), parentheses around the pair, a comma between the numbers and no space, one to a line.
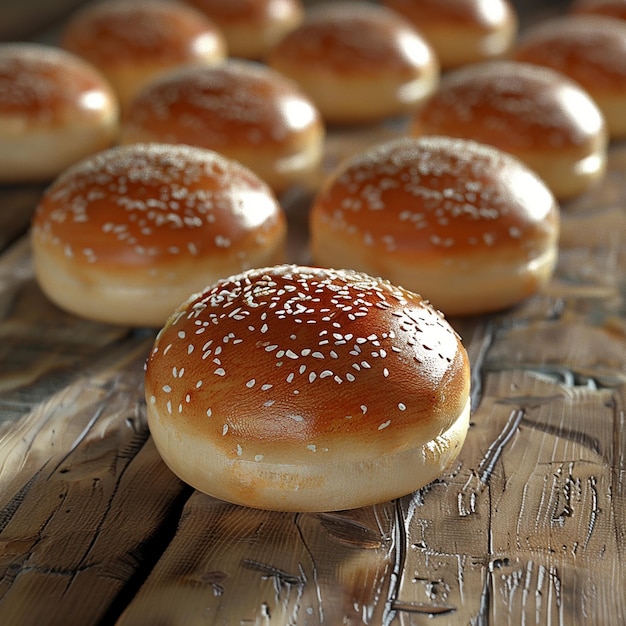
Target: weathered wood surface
(528,527)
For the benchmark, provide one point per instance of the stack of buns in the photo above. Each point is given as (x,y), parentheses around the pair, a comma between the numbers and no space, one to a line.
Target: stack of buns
(275,385)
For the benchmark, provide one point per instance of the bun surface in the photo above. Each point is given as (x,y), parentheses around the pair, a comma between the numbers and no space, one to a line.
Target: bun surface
(466,225)
(124,236)
(609,8)
(538,115)
(252,27)
(462,31)
(241,109)
(134,42)
(358,62)
(55,109)
(304,389)
(591,50)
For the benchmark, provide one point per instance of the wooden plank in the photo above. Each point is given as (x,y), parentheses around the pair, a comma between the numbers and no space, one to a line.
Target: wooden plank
(17,205)
(84,496)
(41,347)
(232,565)
(528,526)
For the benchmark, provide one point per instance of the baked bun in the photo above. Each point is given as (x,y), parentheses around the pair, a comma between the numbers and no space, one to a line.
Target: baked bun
(536,114)
(358,62)
(134,42)
(55,109)
(467,226)
(609,8)
(462,31)
(241,109)
(304,389)
(126,235)
(591,50)
(252,27)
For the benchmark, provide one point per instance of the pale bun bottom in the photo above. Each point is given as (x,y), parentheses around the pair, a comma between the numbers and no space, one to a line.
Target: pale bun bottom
(456,47)
(340,484)
(40,154)
(568,174)
(255,41)
(345,100)
(455,286)
(613,107)
(132,297)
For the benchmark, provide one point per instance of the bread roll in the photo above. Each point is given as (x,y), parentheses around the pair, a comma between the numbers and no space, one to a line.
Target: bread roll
(252,27)
(590,49)
(124,236)
(534,113)
(134,42)
(241,109)
(55,109)
(466,225)
(462,31)
(302,389)
(609,8)
(358,62)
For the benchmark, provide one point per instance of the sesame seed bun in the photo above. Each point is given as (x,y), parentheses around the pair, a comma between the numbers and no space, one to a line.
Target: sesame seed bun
(590,49)
(241,109)
(358,62)
(462,31)
(55,109)
(126,235)
(535,113)
(306,389)
(132,43)
(466,225)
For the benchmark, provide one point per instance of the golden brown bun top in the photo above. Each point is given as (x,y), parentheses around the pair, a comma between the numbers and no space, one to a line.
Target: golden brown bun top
(298,355)
(438,196)
(513,105)
(149,204)
(610,8)
(354,37)
(47,84)
(155,31)
(475,14)
(236,102)
(591,49)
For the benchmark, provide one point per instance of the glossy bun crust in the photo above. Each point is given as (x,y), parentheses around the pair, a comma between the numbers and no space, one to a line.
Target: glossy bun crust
(252,27)
(358,62)
(465,225)
(609,8)
(126,235)
(304,389)
(55,109)
(462,31)
(134,42)
(590,49)
(534,113)
(241,109)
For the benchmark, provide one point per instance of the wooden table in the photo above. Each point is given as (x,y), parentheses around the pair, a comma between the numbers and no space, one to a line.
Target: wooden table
(528,527)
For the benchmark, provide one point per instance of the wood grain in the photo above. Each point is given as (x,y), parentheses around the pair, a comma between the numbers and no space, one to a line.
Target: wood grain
(527,527)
